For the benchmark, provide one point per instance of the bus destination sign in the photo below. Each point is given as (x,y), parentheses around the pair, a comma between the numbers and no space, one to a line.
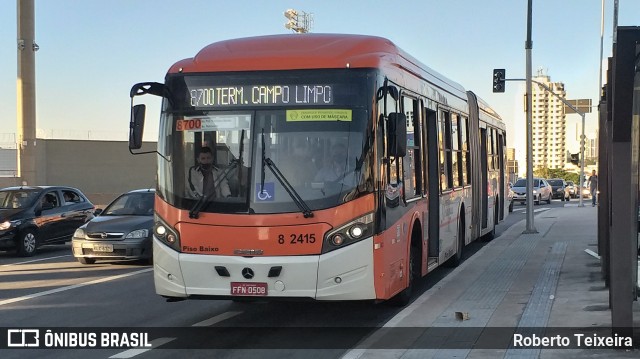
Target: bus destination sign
(260,95)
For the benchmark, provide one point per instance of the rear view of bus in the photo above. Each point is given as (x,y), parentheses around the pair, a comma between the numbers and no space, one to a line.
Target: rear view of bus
(278,173)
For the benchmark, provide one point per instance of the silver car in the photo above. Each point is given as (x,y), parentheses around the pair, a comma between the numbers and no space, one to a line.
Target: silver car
(122,231)
(541,190)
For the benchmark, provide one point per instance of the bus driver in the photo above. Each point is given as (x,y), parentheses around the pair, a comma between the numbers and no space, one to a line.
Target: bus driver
(204,179)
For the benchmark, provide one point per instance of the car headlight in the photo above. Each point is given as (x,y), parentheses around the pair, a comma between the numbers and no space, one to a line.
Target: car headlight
(8,224)
(535,192)
(80,233)
(138,233)
(5,225)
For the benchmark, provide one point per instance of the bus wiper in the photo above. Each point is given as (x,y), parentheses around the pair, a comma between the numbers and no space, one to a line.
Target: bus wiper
(195,211)
(306,211)
(197,208)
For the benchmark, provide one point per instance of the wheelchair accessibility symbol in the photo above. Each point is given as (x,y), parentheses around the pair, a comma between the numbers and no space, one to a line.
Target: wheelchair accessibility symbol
(266,194)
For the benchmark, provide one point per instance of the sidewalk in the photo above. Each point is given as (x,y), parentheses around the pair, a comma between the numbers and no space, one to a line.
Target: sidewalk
(526,281)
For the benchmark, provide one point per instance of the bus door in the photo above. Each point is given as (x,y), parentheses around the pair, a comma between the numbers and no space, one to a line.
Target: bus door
(433,189)
(484,195)
(501,192)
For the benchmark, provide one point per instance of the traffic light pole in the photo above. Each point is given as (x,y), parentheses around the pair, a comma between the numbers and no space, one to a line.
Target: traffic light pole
(582,136)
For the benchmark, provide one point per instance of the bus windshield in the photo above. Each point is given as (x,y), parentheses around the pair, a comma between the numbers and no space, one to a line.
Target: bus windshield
(313,127)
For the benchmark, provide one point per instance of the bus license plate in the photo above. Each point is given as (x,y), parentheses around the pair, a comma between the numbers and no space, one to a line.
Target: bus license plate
(103,248)
(247,288)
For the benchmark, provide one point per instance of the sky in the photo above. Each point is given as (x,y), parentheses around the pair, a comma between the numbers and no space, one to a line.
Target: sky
(93,51)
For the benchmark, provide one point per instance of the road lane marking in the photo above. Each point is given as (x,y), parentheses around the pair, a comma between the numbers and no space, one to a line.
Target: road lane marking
(537,210)
(34,260)
(74,286)
(133,352)
(161,341)
(216,319)
(592,253)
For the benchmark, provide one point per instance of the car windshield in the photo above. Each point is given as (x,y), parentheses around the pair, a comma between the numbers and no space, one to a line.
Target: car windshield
(131,204)
(570,183)
(21,198)
(523,183)
(555,182)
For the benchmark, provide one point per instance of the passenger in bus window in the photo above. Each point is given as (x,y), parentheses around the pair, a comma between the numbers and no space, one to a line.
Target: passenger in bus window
(207,179)
(298,166)
(331,172)
(336,168)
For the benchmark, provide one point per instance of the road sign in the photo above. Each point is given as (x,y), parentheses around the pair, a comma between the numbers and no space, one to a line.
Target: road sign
(583,105)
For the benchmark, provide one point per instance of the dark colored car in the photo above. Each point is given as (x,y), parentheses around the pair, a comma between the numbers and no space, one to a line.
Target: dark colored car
(122,231)
(560,189)
(36,215)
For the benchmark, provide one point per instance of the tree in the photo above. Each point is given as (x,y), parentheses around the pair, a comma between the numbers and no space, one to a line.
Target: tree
(542,172)
(545,172)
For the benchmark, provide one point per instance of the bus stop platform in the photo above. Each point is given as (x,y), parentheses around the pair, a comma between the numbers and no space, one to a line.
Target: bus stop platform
(546,286)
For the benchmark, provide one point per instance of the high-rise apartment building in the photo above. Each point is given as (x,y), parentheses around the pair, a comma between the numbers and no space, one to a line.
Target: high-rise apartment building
(512,165)
(548,124)
(591,146)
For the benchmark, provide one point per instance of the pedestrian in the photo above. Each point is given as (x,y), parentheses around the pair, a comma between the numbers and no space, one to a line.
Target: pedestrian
(593,187)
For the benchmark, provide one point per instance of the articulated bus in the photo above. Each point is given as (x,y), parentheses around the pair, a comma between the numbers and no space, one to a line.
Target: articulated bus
(349,169)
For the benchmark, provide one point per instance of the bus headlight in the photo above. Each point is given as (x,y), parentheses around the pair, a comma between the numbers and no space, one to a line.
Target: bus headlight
(348,233)
(166,234)
(357,230)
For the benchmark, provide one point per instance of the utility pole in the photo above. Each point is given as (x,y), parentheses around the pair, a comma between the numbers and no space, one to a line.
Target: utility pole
(26,91)
(528,47)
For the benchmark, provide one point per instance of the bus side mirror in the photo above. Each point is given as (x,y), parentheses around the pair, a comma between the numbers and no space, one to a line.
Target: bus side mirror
(397,135)
(136,126)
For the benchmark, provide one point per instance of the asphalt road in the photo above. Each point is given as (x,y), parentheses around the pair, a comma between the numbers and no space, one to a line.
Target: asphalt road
(53,290)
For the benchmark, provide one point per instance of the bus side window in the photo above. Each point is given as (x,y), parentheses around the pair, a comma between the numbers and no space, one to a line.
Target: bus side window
(413,160)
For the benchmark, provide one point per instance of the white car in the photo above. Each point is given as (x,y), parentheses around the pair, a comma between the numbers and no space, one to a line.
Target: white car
(541,190)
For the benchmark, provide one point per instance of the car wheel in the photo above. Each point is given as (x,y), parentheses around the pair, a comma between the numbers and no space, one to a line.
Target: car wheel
(537,200)
(86,260)
(510,206)
(549,199)
(27,243)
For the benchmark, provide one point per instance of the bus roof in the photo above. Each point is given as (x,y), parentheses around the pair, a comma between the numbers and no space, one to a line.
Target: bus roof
(308,51)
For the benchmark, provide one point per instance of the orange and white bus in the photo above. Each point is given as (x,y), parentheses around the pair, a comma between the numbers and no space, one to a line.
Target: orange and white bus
(349,170)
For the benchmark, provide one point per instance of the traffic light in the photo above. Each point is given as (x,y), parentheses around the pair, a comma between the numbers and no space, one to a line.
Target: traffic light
(574,158)
(498,80)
